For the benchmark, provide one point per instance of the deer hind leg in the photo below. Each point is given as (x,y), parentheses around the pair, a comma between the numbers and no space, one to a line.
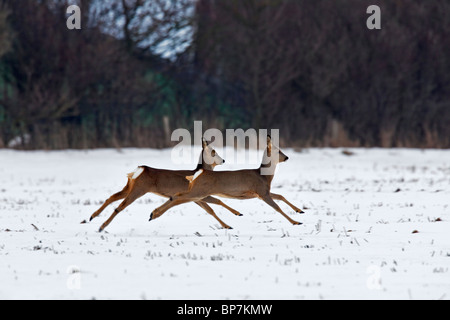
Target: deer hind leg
(115,197)
(268,199)
(208,209)
(216,201)
(281,198)
(130,198)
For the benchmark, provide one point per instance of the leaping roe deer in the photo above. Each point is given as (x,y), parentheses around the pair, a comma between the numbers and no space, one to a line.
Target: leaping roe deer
(242,184)
(166,183)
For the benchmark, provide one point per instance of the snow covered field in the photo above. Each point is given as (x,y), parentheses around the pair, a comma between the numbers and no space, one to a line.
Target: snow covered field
(377,226)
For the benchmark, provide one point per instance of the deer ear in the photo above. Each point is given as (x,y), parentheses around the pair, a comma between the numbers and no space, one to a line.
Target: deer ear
(269,145)
(204,143)
(269,140)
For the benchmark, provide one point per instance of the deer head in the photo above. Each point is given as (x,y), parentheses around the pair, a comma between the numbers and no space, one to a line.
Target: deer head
(272,157)
(209,158)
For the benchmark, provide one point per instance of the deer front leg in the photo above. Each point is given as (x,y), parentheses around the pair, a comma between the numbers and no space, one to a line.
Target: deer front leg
(172,202)
(158,212)
(281,198)
(268,199)
(208,209)
(220,203)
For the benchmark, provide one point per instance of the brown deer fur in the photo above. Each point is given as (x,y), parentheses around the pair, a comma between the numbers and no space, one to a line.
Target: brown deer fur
(165,183)
(241,184)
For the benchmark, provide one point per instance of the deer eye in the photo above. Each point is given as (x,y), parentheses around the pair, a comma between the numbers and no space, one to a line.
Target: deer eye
(213,153)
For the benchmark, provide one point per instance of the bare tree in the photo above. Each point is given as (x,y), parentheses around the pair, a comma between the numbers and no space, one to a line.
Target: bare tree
(5,30)
(260,44)
(157,25)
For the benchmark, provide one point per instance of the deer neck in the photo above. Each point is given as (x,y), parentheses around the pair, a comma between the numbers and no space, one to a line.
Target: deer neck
(203,165)
(267,170)
(267,173)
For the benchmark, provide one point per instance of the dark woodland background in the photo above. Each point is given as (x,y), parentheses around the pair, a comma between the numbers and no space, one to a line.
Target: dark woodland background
(139,69)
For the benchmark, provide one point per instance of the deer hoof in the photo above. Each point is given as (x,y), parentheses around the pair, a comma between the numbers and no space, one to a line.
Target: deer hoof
(151,217)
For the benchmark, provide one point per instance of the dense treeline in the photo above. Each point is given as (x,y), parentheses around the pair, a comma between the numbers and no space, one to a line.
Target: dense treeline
(139,69)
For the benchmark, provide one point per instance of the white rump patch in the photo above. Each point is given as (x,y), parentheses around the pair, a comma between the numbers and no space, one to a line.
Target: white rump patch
(137,173)
(195,176)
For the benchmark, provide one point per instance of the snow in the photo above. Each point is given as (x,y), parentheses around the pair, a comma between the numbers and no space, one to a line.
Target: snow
(376,226)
